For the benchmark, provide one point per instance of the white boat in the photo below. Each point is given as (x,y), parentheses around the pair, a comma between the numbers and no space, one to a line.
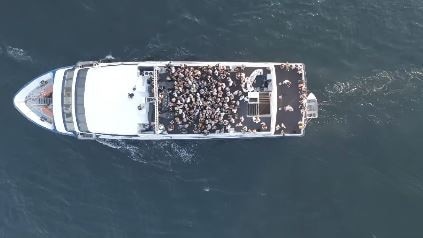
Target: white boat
(154,100)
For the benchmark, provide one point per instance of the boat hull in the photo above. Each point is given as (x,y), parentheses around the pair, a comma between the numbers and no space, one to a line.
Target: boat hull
(58,115)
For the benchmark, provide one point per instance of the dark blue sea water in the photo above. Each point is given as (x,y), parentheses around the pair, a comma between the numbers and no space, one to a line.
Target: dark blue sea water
(357,173)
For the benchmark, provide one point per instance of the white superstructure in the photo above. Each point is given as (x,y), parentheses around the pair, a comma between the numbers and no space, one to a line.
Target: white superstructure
(171,100)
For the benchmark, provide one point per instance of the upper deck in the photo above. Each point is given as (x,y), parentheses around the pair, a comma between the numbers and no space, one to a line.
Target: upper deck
(213,98)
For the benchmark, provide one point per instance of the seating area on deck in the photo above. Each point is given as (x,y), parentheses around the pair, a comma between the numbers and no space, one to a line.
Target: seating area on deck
(214,99)
(291,91)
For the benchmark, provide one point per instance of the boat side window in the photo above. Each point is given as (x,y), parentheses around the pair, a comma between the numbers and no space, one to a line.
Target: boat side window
(79,100)
(67,100)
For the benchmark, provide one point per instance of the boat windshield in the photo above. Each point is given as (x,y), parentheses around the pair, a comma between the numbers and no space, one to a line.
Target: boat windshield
(67,100)
(79,100)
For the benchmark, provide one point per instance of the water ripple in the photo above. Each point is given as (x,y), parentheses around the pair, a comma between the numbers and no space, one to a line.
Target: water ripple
(380,98)
(15,54)
(159,154)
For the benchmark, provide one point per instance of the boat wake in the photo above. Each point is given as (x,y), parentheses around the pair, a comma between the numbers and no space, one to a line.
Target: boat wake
(162,154)
(15,54)
(379,99)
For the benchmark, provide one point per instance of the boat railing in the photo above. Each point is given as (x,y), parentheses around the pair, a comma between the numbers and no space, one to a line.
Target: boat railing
(156,101)
(86,136)
(86,64)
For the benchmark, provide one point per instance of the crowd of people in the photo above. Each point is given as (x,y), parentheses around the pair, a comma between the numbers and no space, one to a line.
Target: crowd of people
(206,99)
(302,91)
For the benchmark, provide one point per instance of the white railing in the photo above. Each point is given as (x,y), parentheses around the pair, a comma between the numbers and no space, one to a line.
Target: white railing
(156,99)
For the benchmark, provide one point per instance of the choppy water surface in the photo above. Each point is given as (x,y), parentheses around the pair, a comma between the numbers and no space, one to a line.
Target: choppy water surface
(357,173)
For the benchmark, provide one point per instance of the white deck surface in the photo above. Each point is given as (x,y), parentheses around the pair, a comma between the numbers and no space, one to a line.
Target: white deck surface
(108,108)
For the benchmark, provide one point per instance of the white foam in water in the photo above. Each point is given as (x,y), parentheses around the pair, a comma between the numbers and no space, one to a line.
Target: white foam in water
(17,54)
(109,57)
(157,153)
(377,98)
(88,5)
(191,17)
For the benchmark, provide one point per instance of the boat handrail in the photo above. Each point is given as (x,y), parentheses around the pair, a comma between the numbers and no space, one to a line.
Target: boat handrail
(156,101)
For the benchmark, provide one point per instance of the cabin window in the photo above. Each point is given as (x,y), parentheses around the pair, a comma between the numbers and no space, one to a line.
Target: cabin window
(79,100)
(67,100)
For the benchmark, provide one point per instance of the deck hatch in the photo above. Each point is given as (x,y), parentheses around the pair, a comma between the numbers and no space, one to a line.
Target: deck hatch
(258,104)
